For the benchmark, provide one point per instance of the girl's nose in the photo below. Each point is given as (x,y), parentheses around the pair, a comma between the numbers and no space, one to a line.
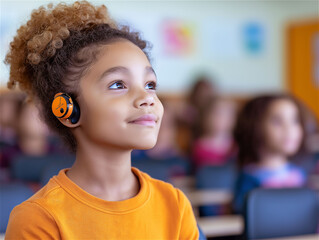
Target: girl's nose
(144,99)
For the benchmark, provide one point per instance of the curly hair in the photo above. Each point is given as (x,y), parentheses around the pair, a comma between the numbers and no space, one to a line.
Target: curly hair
(248,132)
(52,51)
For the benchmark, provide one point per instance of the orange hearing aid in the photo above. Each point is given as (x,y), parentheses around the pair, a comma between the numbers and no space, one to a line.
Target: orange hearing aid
(64,107)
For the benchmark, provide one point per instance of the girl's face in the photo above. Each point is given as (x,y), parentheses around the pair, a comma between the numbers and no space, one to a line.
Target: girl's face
(32,131)
(282,128)
(118,101)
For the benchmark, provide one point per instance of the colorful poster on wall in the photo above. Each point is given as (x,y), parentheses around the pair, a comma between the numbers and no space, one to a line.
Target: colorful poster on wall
(253,38)
(177,37)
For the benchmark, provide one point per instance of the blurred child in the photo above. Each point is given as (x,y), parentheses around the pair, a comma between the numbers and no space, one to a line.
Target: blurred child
(202,89)
(32,136)
(9,105)
(269,130)
(32,132)
(214,144)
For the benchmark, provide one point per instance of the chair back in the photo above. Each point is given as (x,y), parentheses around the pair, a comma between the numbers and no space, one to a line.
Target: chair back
(275,213)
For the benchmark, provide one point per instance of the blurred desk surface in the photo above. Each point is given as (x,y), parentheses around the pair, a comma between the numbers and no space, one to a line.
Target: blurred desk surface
(206,197)
(228,225)
(305,237)
(2,236)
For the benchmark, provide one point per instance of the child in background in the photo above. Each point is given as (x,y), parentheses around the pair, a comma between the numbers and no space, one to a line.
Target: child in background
(31,140)
(32,136)
(202,89)
(32,131)
(95,87)
(9,107)
(269,130)
(214,144)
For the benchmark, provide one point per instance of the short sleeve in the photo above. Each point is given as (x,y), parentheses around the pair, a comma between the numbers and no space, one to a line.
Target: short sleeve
(29,220)
(189,229)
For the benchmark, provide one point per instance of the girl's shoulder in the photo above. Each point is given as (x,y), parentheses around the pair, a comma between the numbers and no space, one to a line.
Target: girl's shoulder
(293,168)
(296,170)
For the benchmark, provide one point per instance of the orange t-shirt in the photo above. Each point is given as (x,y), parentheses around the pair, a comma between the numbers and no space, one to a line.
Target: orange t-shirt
(62,210)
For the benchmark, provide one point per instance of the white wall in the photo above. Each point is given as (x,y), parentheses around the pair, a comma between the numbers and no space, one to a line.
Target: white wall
(223,57)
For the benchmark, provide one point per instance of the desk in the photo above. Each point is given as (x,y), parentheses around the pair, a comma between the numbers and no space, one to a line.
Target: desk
(209,197)
(222,225)
(305,237)
(2,236)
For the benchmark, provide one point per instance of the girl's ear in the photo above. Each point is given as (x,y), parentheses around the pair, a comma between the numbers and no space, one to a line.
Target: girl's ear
(66,110)
(67,122)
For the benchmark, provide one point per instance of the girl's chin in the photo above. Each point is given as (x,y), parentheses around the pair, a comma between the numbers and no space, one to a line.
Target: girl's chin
(144,145)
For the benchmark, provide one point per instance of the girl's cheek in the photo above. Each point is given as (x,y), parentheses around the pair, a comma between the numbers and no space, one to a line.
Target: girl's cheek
(299,134)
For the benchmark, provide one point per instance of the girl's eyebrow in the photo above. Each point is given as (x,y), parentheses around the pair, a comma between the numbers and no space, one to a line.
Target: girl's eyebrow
(121,69)
(150,70)
(118,69)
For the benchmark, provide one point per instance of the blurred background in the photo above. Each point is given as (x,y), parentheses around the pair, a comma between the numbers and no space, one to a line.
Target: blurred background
(211,58)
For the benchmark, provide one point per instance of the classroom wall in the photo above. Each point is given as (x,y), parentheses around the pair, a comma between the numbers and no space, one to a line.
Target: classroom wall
(240,44)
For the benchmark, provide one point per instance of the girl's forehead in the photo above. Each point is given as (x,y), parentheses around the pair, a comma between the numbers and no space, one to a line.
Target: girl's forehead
(121,53)
(122,46)
(283,104)
(120,58)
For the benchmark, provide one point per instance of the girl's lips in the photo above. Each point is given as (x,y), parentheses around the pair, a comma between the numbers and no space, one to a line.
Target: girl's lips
(146,120)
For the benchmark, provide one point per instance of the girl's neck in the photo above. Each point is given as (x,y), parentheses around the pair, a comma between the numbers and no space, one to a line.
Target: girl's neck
(272,161)
(104,171)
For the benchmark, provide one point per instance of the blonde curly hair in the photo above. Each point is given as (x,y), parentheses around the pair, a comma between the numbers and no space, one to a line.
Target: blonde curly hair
(50,53)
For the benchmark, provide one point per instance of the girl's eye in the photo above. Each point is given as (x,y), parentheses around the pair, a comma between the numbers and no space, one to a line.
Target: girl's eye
(117,85)
(151,86)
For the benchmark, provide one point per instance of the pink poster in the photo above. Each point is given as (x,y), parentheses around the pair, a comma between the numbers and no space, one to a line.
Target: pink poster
(177,38)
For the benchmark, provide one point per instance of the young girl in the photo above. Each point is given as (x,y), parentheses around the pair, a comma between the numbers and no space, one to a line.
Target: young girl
(269,130)
(187,115)
(96,87)
(214,144)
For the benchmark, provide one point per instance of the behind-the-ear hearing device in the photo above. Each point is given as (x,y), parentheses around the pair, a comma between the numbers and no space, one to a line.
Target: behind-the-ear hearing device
(64,107)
